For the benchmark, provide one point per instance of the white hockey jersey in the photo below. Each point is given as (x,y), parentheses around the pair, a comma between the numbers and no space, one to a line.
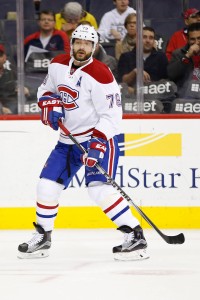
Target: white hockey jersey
(91,97)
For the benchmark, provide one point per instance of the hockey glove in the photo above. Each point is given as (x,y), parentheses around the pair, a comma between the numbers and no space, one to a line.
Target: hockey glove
(52,110)
(96,150)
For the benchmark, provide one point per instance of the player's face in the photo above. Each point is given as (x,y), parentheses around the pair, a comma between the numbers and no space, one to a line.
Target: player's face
(82,49)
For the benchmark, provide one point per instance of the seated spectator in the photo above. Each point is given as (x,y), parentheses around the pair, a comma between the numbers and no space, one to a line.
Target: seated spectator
(47,37)
(8,84)
(179,38)
(71,15)
(155,62)
(184,66)
(128,42)
(111,26)
(4,110)
(109,60)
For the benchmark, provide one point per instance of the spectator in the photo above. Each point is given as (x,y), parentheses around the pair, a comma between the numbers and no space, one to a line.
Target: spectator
(101,55)
(4,110)
(128,42)
(184,66)
(70,17)
(8,84)
(155,62)
(47,37)
(112,23)
(179,38)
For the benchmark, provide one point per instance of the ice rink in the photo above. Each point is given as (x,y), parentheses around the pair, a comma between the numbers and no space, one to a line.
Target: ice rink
(81,267)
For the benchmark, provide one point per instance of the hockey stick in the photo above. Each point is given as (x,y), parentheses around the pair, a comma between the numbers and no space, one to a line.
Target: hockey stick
(176,239)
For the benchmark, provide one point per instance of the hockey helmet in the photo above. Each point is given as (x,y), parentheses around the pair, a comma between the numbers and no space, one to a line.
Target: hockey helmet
(85,32)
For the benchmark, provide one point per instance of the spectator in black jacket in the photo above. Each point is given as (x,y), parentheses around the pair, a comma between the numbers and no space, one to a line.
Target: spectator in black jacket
(155,62)
(184,66)
(8,85)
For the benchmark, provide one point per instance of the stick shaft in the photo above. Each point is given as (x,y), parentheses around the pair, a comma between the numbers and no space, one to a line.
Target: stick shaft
(179,239)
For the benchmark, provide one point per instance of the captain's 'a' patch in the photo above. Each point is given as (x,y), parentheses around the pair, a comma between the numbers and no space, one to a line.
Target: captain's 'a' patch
(79,82)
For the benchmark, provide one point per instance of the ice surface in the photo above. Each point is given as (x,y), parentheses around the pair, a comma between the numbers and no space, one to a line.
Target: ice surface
(81,267)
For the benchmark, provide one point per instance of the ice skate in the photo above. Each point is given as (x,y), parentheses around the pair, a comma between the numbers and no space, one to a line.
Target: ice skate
(38,246)
(134,245)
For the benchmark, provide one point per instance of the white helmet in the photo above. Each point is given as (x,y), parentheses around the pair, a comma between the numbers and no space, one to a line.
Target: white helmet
(85,32)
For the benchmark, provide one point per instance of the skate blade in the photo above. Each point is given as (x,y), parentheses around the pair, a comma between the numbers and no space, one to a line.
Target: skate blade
(134,255)
(36,254)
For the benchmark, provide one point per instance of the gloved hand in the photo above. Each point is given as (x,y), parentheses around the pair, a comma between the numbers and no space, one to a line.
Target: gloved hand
(52,110)
(96,149)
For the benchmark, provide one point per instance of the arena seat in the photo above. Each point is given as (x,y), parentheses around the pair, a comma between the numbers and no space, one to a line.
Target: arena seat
(30,26)
(167,27)
(10,31)
(7,6)
(162,9)
(99,8)
(194,3)
(55,5)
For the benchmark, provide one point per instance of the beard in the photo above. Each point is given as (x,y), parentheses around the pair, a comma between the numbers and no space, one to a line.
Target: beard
(80,55)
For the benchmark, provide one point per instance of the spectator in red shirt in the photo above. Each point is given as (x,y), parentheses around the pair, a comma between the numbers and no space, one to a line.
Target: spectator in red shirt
(179,38)
(47,37)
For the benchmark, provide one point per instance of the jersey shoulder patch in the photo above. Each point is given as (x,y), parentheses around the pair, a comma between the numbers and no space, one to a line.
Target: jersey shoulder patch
(99,71)
(62,59)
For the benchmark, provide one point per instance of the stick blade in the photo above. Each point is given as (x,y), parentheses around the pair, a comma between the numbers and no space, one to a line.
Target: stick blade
(176,239)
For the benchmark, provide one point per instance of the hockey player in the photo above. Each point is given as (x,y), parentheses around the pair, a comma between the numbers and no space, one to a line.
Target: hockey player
(83,93)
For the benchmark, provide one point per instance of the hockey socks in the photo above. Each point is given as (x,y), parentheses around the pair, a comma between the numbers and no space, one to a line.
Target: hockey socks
(48,193)
(45,215)
(113,205)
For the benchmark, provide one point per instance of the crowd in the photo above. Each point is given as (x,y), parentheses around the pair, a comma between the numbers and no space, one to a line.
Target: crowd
(178,64)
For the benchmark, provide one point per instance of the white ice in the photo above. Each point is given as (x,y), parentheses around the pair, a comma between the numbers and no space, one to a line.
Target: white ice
(81,267)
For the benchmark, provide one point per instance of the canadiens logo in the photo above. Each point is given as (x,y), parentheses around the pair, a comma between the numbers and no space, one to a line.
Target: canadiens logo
(69,97)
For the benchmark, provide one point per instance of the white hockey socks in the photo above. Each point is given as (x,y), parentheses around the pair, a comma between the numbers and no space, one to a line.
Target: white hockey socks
(113,205)
(48,193)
